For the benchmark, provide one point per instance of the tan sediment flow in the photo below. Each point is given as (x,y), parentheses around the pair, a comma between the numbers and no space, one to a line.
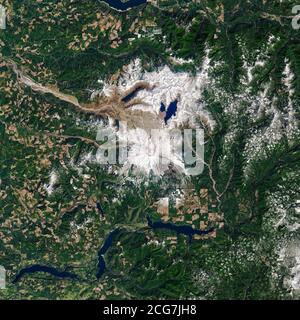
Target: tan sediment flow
(108,106)
(27,81)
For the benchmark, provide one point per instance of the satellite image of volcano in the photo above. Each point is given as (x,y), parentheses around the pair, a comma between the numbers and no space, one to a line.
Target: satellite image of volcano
(149,150)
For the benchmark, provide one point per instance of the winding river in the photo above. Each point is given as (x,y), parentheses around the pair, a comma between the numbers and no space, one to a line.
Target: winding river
(101,266)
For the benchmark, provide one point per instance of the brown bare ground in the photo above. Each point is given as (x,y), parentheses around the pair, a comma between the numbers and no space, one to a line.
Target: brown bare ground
(107,106)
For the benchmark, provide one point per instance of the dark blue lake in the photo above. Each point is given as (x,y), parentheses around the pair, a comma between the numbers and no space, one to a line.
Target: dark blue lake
(132,94)
(40,268)
(123,6)
(170,111)
(101,262)
(186,230)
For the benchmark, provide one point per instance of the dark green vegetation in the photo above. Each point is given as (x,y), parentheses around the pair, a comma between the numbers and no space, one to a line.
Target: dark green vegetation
(39,135)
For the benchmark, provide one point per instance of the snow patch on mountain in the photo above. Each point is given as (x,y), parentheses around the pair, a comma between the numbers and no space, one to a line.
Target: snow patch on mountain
(145,147)
(169,86)
(52,181)
(289,258)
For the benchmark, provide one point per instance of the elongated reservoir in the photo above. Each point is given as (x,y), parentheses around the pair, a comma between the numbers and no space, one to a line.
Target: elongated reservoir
(101,262)
(182,229)
(46,269)
(124,5)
